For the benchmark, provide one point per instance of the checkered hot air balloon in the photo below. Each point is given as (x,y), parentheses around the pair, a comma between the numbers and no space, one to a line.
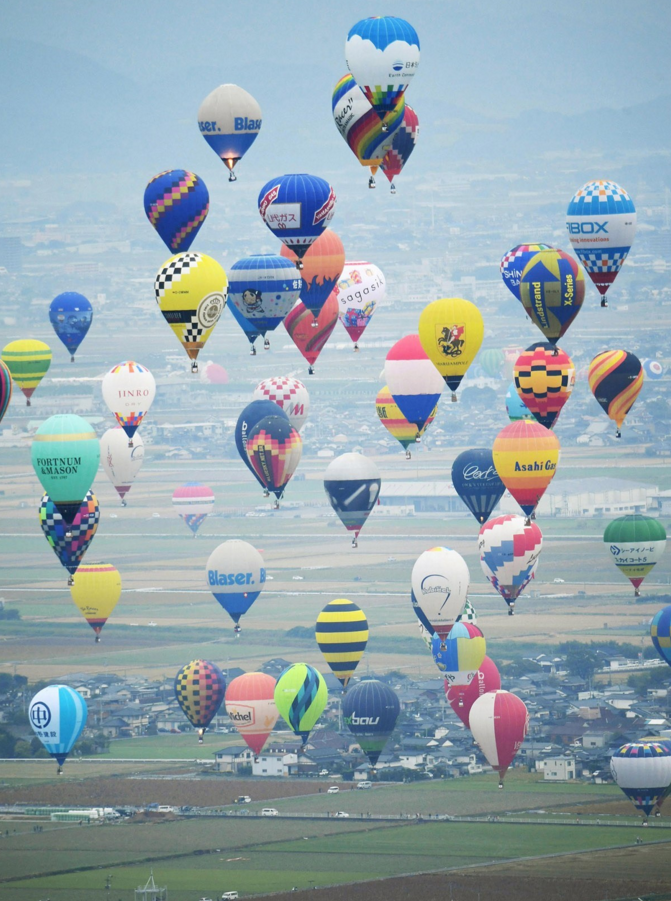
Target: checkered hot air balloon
(342,634)
(289,394)
(544,378)
(200,688)
(616,379)
(70,550)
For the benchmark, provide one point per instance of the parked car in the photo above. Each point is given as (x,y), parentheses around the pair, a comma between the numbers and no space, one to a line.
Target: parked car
(243,799)
(229,896)
(341,815)
(333,790)
(270,812)
(365,784)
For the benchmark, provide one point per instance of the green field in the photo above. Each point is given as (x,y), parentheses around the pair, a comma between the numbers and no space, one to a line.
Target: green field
(168,745)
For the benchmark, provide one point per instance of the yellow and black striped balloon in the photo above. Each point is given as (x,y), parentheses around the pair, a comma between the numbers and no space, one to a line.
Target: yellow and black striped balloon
(342,634)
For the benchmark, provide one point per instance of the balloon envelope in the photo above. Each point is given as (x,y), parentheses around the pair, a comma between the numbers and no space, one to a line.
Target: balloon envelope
(509,551)
(5,388)
(176,203)
(300,697)
(660,633)
(199,689)
(460,654)
(370,711)
(642,769)
(552,289)
(274,449)
(322,266)
(413,380)
(395,422)
(264,288)
(361,287)
(462,697)
(193,502)
(129,390)
(120,462)
(297,209)
(636,544)
(191,291)
(402,145)
(615,380)
(250,417)
(544,377)
(451,332)
(96,590)
(70,550)
(236,575)
(342,634)
(229,119)
(515,406)
(352,484)
(499,722)
(601,224)
(309,340)
(250,703)
(477,482)
(28,360)
(526,454)
(65,454)
(360,125)
(513,264)
(289,394)
(71,315)
(440,581)
(58,715)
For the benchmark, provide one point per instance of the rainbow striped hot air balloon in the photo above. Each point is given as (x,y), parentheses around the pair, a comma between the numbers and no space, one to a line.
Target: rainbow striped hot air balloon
(5,389)
(615,380)
(395,422)
(525,456)
(28,360)
(200,688)
(342,634)
(96,591)
(193,502)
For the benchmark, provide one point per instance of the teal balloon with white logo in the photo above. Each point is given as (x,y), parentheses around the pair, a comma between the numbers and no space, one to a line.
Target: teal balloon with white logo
(236,575)
(58,715)
(66,454)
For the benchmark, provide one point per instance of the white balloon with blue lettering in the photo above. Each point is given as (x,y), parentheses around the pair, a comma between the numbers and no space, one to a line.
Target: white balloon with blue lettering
(440,581)
(236,576)
(229,119)
(58,715)
(601,224)
(383,55)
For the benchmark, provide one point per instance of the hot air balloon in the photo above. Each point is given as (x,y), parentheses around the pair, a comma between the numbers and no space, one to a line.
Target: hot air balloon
(250,417)
(129,390)
(440,581)
(513,264)
(526,455)
(342,634)
(360,125)
(352,484)
(121,462)
(65,453)
(499,722)
(236,575)
(176,203)
(58,715)
(96,590)
(370,711)
(297,209)
(642,769)
(382,54)
(274,448)
(468,614)
(229,119)
(552,289)
(191,290)
(289,394)
(214,374)
(402,145)
(515,406)
(361,287)
(70,550)
(193,502)
(247,325)
(462,697)
(310,341)
(451,332)
(660,632)
(263,288)
(395,422)
(199,688)
(460,654)
(653,369)
(544,378)
(509,551)
(250,703)
(300,697)
(28,361)
(636,543)
(492,361)
(5,388)
(413,380)
(321,268)
(615,380)
(71,315)
(601,224)
(477,482)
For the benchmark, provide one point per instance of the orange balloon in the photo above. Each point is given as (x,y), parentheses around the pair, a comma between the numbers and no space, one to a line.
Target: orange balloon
(525,456)
(322,267)
(310,334)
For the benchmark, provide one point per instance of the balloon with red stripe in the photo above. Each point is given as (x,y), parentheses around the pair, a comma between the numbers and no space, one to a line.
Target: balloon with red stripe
(413,380)
(462,697)
(525,456)
(193,502)
(509,552)
(499,722)
(615,380)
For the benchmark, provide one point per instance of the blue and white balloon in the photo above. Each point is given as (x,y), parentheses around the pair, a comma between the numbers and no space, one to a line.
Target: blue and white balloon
(58,715)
